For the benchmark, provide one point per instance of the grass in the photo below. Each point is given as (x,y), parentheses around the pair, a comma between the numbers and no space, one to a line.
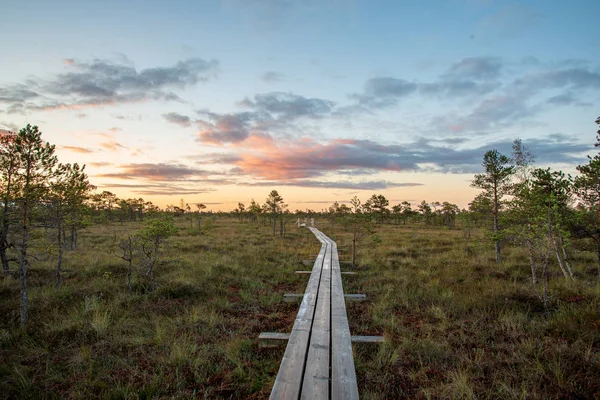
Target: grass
(456,324)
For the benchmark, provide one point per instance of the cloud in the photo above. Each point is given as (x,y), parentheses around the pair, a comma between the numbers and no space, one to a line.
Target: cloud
(274,111)
(179,119)
(289,106)
(216,158)
(76,149)
(307,160)
(272,77)
(100,164)
(112,145)
(384,92)
(17,94)
(226,128)
(10,126)
(114,129)
(572,78)
(102,82)
(467,77)
(160,189)
(364,185)
(477,68)
(155,172)
(491,114)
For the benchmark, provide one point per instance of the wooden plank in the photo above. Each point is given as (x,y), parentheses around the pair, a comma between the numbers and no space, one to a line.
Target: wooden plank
(289,377)
(343,372)
(367,339)
(291,297)
(316,374)
(273,336)
(318,361)
(272,339)
(355,297)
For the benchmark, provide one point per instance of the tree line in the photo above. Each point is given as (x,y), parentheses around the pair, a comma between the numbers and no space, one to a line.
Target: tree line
(37,191)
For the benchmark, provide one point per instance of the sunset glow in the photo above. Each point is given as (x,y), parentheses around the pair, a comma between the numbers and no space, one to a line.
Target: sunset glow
(221,102)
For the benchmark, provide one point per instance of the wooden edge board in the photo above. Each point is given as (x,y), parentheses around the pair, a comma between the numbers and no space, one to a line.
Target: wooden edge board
(281,336)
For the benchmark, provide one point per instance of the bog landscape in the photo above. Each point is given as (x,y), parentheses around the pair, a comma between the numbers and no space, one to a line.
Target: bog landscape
(300,199)
(117,298)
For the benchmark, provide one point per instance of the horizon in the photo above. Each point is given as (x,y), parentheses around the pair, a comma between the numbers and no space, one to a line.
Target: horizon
(220,102)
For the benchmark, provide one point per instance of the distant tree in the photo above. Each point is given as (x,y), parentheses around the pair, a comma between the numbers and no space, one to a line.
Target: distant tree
(360,226)
(495,182)
(425,211)
(540,212)
(396,212)
(109,200)
(406,212)
(481,208)
(522,159)
(275,206)
(69,189)
(128,247)
(587,189)
(240,211)
(152,236)
(254,210)
(200,209)
(9,165)
(378,204)
(448,213)
(36,161)
(355,204)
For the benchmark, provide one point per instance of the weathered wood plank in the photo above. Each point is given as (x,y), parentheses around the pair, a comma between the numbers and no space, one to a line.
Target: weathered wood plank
(281,337)
(355,297)
(343,372)
(367,339)
(288,383)
(316,374)
(273,336)
(289,378)
(318,361)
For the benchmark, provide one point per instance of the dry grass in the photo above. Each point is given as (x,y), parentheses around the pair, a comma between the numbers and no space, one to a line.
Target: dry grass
(456,324)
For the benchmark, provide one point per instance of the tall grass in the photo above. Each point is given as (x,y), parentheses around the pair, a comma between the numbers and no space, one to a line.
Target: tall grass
(456,325)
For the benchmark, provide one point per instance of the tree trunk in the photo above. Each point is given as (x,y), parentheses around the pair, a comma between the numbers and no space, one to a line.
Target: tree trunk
(73,238)
(354,234)
(4,242)
(496,240)
(545,299)
(23,268)
(559,259)
(597,240)
(532,263)
(566,257)
(281,226)
(3,258)
(153,261)
(59,239)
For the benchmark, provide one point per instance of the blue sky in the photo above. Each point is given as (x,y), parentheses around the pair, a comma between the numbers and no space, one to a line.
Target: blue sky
(222,101)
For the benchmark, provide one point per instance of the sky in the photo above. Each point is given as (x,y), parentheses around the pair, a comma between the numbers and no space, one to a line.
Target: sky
(222,101)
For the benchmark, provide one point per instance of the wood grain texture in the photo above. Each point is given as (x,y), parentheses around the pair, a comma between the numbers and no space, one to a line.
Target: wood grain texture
(318,361)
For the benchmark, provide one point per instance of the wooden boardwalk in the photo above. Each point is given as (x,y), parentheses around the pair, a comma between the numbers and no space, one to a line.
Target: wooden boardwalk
(318,361)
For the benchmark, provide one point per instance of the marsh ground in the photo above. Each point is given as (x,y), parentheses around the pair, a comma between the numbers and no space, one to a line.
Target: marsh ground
(456,324)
